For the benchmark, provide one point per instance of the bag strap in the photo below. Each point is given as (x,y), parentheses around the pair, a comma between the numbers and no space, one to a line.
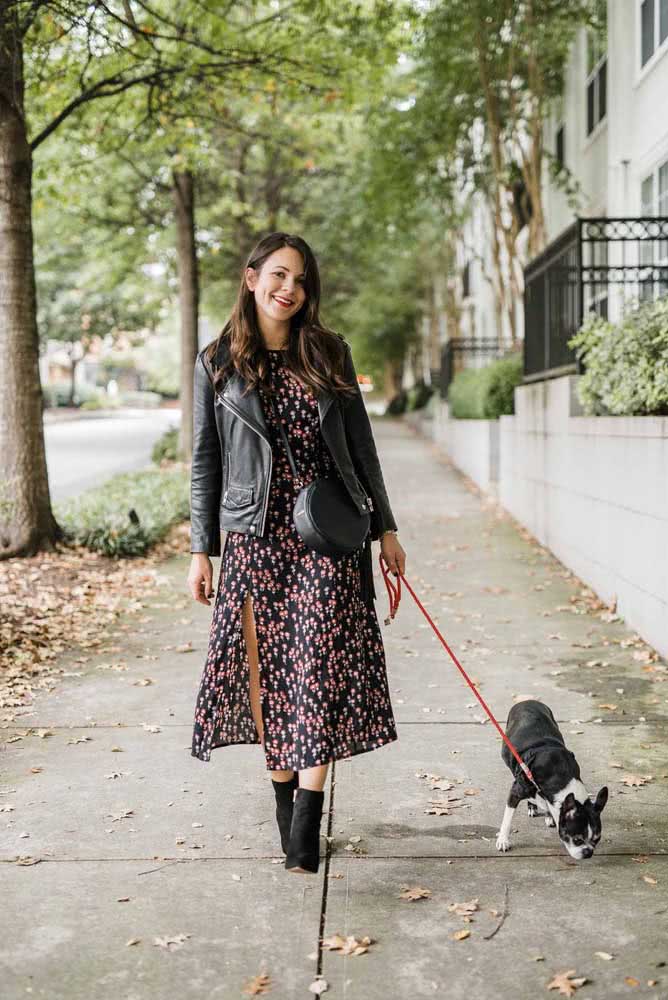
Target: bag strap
(291,460)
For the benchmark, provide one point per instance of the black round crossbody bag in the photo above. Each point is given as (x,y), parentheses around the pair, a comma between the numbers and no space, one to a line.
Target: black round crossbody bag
(324,514)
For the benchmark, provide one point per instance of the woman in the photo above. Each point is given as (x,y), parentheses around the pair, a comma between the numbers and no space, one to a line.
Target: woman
(295,658)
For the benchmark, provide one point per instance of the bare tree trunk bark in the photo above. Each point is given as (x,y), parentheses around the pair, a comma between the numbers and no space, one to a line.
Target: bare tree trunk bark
(184,201)
(27,524)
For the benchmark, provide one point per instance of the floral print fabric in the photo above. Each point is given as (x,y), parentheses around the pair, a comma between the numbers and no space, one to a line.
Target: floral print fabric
(323,680)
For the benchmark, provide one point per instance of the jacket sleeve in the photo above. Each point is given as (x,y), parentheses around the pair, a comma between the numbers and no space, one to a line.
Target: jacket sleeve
(206,473)
(363,451)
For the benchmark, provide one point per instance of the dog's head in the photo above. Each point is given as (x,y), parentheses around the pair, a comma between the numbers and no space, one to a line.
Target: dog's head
(580,824)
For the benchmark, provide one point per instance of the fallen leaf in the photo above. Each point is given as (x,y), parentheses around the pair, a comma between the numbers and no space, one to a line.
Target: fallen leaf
(460,935)
(566,986)
(414,892)
(258,984)
(463,909)
(171,943)
(347,946)
(606,956)
(319,986)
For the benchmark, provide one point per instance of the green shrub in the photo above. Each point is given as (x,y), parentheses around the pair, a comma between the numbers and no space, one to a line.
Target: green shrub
(626,363)
(397,404)
(166,447)
(128,513)
(486,393)
(464,395)
(418,396)
(56,393)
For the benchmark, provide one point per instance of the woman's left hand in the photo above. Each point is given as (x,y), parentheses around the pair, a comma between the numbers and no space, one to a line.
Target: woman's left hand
(393,554)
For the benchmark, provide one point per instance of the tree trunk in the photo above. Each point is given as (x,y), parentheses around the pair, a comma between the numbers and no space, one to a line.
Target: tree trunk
(27,524)
(184,200)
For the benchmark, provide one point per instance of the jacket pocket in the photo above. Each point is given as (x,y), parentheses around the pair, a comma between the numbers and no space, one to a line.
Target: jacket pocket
(236,496)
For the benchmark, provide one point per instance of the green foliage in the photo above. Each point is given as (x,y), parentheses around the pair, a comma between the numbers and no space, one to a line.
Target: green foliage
(166,447)
(626,363)
(397,404)
(486,393)
(128,513)
(418,396)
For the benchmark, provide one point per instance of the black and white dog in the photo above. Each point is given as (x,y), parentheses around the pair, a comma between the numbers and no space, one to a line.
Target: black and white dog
(533,731)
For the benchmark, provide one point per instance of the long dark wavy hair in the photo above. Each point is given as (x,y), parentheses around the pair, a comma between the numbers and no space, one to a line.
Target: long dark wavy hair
(314,354)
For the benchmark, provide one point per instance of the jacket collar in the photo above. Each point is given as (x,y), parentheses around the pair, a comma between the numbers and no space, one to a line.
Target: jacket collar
(249,403)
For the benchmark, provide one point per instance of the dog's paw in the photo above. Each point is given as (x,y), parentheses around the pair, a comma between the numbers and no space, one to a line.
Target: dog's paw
(533,810)
(549,821)
(502,843)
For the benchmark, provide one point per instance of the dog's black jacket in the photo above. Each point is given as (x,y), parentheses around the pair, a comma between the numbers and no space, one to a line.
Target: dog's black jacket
(533,731)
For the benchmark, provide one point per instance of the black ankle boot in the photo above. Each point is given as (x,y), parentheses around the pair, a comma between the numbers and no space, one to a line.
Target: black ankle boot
(303,854)
(284,791)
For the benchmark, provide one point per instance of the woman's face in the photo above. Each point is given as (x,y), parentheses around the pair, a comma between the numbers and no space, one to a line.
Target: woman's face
(279,285)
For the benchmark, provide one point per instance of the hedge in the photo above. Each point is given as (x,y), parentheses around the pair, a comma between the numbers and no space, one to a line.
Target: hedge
(486,393)
(626,362)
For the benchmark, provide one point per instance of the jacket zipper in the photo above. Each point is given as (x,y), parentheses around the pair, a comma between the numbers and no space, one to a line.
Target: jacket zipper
(233,408)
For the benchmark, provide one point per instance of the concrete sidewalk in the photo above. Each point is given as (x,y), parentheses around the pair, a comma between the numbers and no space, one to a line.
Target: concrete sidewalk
(132,870)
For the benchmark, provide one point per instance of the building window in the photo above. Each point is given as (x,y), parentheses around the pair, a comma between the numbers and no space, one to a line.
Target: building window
(466,280)
(560,149)
(597,69)
(654,253)
(653,27)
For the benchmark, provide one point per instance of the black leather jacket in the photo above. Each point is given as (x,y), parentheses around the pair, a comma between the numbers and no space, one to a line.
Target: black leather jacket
(232,456)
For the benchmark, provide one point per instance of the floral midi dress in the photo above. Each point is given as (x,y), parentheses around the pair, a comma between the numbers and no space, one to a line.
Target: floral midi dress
(323,681)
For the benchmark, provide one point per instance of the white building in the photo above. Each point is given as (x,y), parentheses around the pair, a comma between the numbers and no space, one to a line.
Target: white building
(610,129)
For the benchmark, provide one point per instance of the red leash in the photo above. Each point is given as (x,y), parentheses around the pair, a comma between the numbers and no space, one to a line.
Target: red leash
(394,594)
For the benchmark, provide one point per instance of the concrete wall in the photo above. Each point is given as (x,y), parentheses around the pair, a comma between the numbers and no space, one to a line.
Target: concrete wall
(594,490)
(473,445)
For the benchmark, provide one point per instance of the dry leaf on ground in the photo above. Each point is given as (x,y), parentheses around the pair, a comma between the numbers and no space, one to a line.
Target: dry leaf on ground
(258,984)
(171,943)
(347,946)
(464,909)
(460,935)
(566,986)
(413,892)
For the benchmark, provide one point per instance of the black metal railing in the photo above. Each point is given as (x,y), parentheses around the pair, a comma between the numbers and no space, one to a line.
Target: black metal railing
(600,265)
(466,352)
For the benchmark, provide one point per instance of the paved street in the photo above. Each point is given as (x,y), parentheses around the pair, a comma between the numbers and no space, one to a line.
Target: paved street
(160,876)
(82,452)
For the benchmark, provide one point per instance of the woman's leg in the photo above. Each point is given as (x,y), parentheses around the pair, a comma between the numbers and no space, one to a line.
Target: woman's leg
(248,628)
(313,777)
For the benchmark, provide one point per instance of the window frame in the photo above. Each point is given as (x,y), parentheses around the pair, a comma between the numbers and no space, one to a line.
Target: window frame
(659,46)
(597,71)
(657,250)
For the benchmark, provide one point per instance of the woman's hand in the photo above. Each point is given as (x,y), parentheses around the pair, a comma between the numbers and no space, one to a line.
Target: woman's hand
(393,554)
(200,578)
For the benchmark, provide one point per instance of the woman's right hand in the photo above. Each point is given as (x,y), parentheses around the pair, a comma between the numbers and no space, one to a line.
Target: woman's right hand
(200,578)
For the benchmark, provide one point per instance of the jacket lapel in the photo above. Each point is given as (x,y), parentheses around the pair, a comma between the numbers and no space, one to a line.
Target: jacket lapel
(250,407)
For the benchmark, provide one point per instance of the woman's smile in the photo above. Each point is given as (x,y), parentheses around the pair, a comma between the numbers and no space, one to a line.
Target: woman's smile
(286,303)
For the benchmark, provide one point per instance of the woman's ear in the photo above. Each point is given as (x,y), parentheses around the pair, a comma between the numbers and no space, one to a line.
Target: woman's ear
(251,278)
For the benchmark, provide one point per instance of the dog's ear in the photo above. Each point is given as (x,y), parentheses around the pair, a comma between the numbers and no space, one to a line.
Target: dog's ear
(601,799)
(568,806)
